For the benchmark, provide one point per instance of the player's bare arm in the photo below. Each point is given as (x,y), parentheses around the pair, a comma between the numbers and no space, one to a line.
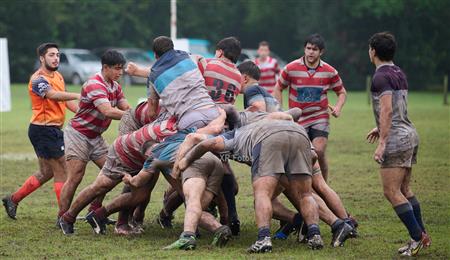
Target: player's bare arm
(342,96)
(62,96)
(186,146)
(215,144)
(280,116)
(257,106)
(385,125)
(277,93)
(72,105)
(152,109)
(111,112)
(213,128)
(140,179)
(123,105)
(134,70)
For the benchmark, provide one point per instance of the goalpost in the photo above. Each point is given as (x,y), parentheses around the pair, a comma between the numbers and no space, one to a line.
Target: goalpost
(5,92)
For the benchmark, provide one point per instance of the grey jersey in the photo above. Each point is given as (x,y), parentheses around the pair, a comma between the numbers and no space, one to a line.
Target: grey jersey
(241,141)
(177,82)
(390,80)
(247,117)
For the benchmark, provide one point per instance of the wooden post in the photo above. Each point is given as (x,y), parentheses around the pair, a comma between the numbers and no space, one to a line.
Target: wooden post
(446,90)
(368,82)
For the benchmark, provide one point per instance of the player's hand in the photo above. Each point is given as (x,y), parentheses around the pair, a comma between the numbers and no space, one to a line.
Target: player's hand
(373,135)
(183,164)
(378,155)
(127,179)
(175,170)
(131,68)
(335,110)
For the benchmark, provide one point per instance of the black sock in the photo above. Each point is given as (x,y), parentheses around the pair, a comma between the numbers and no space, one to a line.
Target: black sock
(297,221)
(263,232)
(228,191)
(405,213)
(417,212)
(313,230)
(336,225)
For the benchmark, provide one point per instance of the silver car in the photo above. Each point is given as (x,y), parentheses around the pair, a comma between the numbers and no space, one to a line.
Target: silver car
(139,56)
(78,65)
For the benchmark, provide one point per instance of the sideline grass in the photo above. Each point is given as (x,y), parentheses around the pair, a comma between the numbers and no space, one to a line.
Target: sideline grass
(353,175)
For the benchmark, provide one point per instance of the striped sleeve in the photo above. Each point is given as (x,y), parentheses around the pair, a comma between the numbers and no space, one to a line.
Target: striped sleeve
(336,82)
(97,94)
(284,80)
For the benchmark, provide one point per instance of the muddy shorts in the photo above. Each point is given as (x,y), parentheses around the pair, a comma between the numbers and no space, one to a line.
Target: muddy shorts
(198,118)
(209,168)
(114,168)
(128,123)
(80,147)
(282,153)
(318,130)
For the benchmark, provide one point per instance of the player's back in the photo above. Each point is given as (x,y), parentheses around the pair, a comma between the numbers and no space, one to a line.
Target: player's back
(179,84)
(223,81)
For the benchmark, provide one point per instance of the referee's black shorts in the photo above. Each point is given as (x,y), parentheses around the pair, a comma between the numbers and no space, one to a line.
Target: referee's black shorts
(48,141)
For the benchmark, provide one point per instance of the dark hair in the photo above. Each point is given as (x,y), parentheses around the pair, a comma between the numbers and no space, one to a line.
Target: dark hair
(113,57)
(315,39)
(42,49)
(161,45)
(231,48)
(264,43)
(384,45)
(249,68)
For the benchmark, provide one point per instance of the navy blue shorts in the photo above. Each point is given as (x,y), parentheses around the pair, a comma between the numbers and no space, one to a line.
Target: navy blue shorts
(48,141)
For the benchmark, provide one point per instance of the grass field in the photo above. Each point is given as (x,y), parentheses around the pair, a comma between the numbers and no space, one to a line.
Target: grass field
(353,174)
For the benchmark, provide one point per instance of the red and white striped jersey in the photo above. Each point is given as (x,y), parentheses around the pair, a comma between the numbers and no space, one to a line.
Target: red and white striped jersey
(269,73)
(223,80)
(131,148)
(89,120)
(308,89)
(141,114)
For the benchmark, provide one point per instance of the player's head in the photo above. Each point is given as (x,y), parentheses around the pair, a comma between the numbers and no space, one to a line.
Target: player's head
(161,45)
(382,45)
(48,54)
(263,49)
(249,73)
(112,64)
(314,47)
(229,48)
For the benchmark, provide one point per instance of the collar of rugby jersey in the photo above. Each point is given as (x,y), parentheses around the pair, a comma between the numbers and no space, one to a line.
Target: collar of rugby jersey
(384,64)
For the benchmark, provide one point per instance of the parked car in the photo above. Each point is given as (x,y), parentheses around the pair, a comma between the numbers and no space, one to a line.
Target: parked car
(252,54)
(78,65)
(194,46)
(141,57)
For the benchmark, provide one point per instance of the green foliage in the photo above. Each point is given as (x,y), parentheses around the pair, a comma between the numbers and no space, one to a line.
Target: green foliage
(420,28)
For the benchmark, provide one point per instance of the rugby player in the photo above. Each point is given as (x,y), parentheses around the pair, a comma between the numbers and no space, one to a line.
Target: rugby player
(49,100)
(102,100)
(126,157)
(309,79)
(273,148)
(222,80)
(398,141)
(256,98)
(268,66)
